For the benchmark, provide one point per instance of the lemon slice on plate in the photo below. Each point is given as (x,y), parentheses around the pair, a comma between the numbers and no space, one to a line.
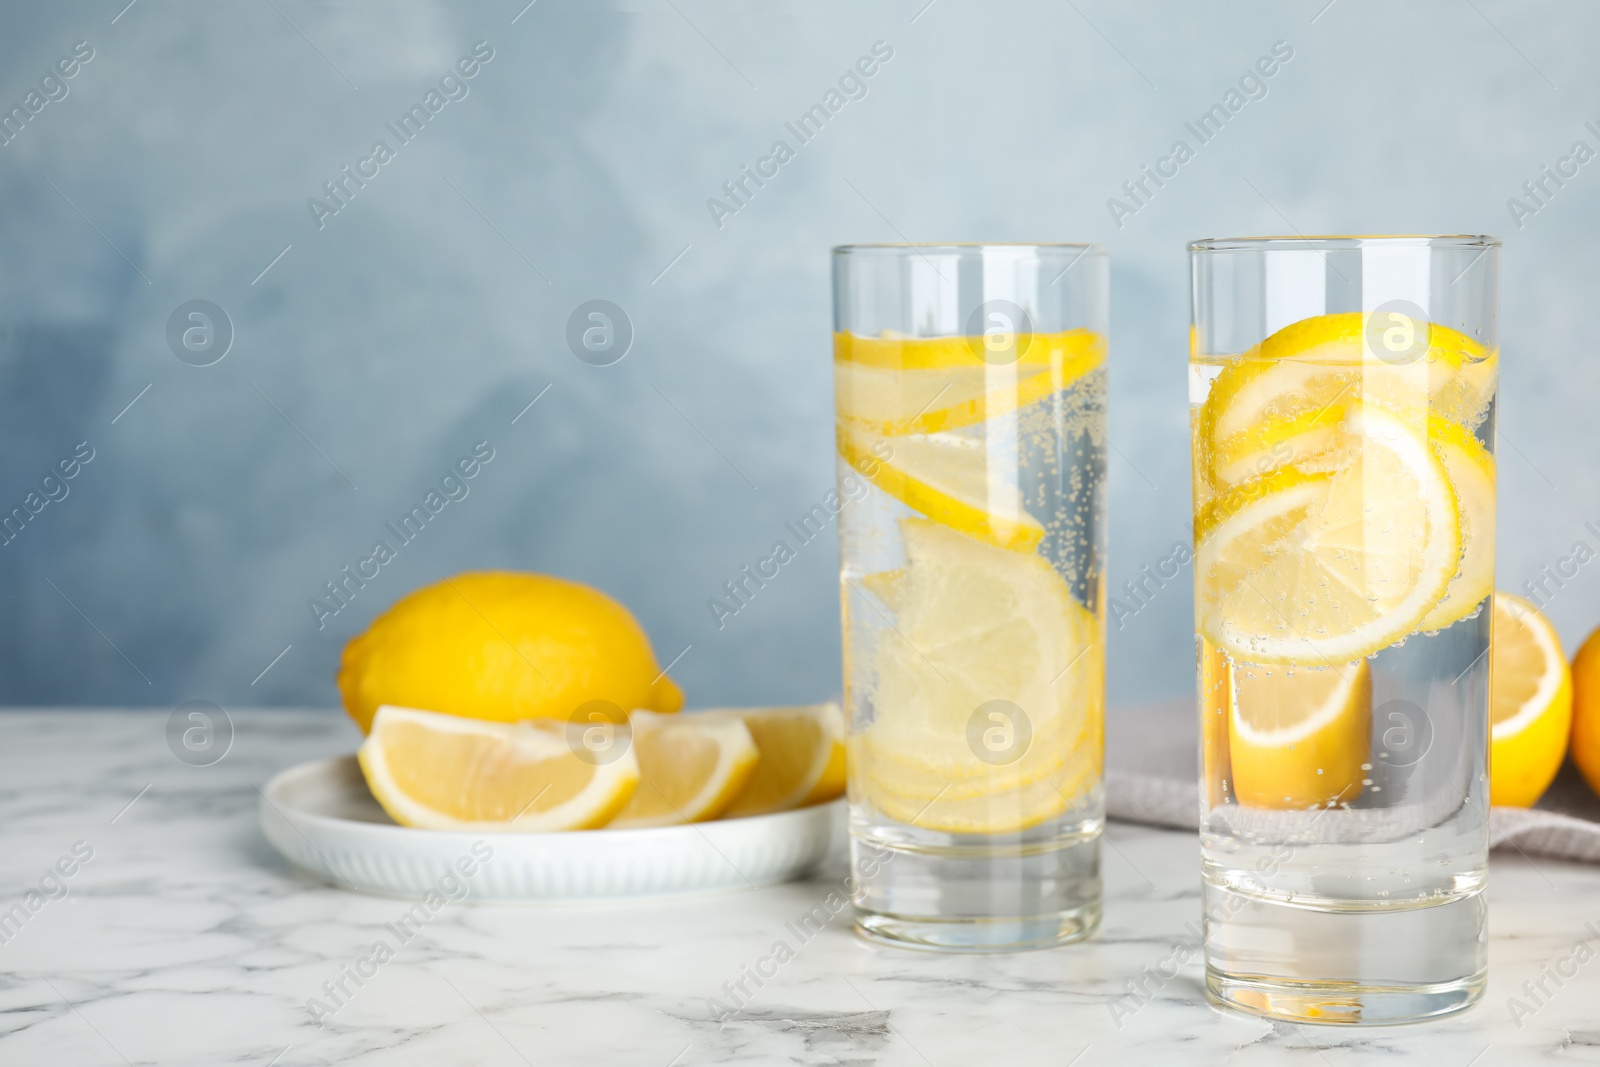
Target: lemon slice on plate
(802,756)
(1297,737)
(1322,568)
(946,478)
(690,768)
(1530,703)
(444,772)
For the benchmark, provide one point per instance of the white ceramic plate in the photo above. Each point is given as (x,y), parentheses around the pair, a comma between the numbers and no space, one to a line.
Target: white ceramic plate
(321,816)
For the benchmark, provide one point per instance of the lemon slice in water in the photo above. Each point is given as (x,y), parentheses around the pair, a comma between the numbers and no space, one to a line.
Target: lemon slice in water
(1298,737)
(986,695)
(896,385)
(1274,398)
(1471,470)
(946,478)
(1322,568)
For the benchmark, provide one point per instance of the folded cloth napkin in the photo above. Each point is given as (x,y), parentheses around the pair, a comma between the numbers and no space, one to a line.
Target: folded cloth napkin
(1152,776)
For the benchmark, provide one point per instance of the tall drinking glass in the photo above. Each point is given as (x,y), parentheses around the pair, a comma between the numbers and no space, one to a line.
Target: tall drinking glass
(970,397)
(1342,393)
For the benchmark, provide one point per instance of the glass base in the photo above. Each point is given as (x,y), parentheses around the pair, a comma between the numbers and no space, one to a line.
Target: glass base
(976,893)
(1360,963)
(1344,1004)
(979,935)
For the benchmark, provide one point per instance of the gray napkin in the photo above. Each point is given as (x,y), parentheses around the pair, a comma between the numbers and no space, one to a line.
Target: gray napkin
(1152,776)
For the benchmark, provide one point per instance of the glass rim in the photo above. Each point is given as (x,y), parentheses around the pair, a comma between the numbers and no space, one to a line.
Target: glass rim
(967,247)
(1337,242)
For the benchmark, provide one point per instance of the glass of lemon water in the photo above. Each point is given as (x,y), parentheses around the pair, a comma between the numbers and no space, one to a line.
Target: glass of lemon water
(969,386)
(1342,401)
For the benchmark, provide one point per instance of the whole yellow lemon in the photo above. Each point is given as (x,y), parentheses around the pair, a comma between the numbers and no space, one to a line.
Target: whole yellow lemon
(503,645)
(1585,746)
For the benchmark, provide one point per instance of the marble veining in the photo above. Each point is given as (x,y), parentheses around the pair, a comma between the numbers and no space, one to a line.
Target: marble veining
(185,939)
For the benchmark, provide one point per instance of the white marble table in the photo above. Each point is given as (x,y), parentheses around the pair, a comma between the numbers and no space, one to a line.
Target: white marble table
(184,939)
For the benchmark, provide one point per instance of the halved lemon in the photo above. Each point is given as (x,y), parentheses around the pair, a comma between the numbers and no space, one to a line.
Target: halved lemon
(1471,470)
(1297,737)
(947,478)
(1530,703)
(1322,568)
(444,772)
(987,686)
(802,756)
(690,768)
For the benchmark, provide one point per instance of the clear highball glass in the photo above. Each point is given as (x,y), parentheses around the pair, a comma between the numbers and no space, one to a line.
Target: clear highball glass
(970,399)
(1342,397)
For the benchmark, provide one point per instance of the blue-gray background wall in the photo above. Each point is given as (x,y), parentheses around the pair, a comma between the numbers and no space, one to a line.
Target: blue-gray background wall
(433,307)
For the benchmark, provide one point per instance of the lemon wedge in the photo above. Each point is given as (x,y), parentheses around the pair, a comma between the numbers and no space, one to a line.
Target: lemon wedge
(690,769)
(444,772)
(1530,703)
(986,703)
(947,479)
(1297,737)
(802,756)
(1322,568)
